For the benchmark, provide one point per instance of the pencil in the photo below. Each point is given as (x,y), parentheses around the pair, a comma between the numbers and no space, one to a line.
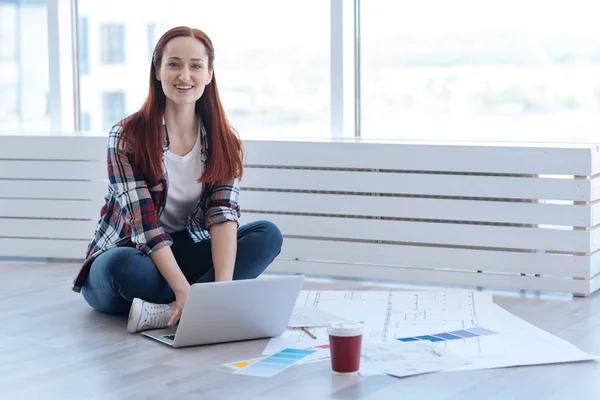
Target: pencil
(308,333)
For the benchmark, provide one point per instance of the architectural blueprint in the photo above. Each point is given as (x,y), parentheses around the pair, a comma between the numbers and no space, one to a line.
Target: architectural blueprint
(388,315)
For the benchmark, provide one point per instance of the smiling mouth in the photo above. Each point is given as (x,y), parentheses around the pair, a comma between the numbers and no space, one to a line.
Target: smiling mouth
(183,87)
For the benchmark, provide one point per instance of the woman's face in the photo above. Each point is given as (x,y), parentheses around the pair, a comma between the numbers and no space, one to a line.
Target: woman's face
(184,70)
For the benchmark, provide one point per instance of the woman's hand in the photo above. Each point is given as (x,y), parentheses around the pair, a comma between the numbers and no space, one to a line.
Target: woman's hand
(178,304)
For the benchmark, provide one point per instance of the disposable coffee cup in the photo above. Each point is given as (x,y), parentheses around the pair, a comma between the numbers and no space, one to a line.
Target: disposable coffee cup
(345,340)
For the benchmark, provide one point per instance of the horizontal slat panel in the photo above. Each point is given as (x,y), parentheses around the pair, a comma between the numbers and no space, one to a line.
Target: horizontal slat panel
(68,209)
(566,159)
(76,250)
(53,189)
(595,238)
(45,228)
(595,264)
(305,180)
(86,170)
(433,276)
(594,284)
(43,248)
(437,257)
(595,209)
(53,147)
(430,233)
(576,160)
(595,188)
(420,184)
(418,208)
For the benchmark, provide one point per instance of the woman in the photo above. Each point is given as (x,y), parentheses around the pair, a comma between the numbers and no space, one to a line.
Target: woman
(171,213)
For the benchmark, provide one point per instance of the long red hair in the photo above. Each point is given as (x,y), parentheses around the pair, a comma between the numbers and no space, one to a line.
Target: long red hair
(143,132)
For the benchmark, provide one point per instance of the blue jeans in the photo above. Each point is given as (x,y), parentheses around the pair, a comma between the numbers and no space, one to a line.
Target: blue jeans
(119,275)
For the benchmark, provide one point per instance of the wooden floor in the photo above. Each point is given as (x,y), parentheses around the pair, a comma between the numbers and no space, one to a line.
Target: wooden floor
(52,345)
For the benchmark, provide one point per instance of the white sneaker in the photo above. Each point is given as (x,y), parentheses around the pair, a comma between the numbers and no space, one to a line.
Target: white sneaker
(144,315)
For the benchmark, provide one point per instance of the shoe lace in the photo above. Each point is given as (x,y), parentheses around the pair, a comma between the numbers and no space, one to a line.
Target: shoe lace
(156,316)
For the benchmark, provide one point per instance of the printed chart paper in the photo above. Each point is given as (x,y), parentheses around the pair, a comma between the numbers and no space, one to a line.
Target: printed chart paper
(517,343)
(310,317)
(237,365)
(406,359)
(389,315)
(274,364)
(452,335)
(386,315)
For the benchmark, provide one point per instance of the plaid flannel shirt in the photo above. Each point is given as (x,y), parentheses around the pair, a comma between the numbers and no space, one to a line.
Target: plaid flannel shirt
(130,215)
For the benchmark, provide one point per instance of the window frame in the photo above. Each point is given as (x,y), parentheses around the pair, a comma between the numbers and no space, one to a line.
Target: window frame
(344,67)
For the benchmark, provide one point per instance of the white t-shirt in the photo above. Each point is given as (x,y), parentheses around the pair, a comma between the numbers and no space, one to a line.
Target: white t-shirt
(184,189)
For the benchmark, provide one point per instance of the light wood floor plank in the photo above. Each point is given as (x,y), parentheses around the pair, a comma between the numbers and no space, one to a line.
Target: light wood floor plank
(52,345)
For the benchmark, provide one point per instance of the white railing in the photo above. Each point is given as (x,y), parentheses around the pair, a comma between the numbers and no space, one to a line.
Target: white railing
(509,216)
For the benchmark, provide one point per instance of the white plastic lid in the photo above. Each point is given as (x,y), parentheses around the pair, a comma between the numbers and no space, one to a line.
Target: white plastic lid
(344,328)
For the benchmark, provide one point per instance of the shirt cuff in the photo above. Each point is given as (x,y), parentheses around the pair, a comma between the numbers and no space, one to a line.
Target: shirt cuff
(155,243)
(218,215)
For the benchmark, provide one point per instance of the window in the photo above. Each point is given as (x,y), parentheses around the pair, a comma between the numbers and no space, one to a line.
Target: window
(86,122)
(152,39)
(8,32)
(480,71)
(273,73)
(112,43)
(24,80)
(113,107)
(83,46)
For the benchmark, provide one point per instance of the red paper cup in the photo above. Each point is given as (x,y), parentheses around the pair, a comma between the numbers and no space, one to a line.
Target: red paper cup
(345,339)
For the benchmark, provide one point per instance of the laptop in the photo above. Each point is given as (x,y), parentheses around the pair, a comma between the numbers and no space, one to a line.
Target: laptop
(220,312)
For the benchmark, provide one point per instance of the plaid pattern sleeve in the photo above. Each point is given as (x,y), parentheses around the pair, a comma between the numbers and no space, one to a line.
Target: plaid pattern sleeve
(137,207)
(222,204)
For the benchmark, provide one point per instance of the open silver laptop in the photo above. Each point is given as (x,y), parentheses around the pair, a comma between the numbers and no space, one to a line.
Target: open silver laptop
(219,312)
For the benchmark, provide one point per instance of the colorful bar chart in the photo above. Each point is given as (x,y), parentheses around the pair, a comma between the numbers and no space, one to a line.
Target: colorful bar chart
(452,335)
(274,364)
